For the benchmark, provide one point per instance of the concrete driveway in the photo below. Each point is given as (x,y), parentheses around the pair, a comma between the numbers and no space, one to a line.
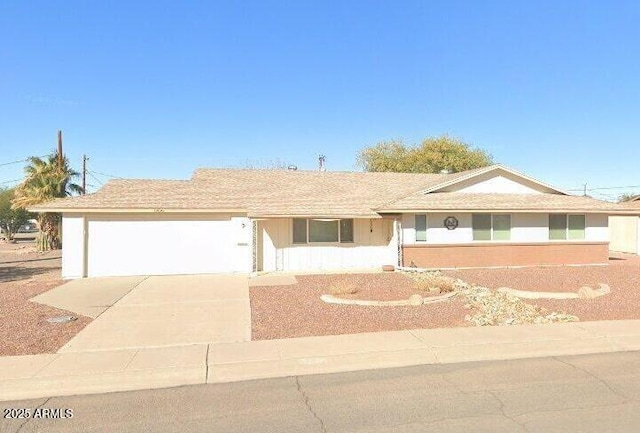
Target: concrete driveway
(89,297)
(165,311)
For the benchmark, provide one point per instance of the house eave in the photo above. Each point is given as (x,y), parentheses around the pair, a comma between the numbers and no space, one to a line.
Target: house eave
(133,210)
(257,215)
(507,210)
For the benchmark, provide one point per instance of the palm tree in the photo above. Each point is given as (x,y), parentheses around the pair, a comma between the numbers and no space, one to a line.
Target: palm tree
(47,179)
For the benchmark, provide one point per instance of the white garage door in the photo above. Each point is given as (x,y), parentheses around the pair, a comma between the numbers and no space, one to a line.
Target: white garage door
(166,246)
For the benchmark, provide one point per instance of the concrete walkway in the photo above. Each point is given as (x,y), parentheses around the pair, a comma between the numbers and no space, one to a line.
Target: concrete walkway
(36,376)
(164,311)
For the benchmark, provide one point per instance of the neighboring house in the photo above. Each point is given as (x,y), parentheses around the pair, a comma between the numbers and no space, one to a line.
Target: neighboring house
(225,220)
(624,230)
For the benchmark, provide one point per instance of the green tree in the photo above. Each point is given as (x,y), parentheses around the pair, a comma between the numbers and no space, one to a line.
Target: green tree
(433,155)
(46,179)
(11,219)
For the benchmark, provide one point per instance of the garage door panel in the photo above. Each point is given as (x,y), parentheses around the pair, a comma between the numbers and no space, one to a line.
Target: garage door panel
(160,247)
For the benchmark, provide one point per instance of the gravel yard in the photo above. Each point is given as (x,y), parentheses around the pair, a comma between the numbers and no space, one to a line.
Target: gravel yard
(297,311)
(622,275)
(24,274)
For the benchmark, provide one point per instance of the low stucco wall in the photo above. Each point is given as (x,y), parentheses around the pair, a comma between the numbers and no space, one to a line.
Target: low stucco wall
(481,255)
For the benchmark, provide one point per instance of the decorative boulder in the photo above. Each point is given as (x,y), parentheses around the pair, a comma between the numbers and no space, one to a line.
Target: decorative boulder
(415,300)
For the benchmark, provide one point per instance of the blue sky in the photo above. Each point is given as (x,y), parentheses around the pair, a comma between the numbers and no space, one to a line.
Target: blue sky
(156,89)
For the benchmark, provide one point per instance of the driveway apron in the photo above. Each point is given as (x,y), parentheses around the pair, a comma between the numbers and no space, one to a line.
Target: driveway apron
(170,311)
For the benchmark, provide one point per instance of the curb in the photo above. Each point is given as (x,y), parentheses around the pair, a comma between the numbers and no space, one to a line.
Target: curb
(50,375)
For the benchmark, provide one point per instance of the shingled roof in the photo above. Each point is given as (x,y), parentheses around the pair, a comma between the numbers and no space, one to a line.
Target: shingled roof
(256,192)
(280,193)
(633,204)
(459,201)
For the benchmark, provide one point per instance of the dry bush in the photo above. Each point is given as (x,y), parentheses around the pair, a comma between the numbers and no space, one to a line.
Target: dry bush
(427,281)
(343,287)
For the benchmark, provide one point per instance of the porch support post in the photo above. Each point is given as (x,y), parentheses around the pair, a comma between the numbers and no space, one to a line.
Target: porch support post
(398,224)
(254,246)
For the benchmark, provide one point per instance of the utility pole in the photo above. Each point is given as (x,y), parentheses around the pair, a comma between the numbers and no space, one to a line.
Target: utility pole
(84,174)
(60,161)
(585,189)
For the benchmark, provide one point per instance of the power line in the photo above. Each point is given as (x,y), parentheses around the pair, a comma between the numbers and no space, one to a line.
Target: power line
(104,174)
(21,160)
(13,162)
(98,180)
(606,188)
(10,181)
(614,187)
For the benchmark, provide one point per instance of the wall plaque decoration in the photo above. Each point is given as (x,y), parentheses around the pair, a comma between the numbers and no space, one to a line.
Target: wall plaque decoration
(451,223)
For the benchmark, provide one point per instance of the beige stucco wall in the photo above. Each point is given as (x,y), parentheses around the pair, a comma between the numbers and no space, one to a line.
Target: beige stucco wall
(623,231)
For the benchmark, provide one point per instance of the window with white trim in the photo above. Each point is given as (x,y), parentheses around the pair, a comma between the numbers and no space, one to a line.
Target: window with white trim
(563,226)
(421,228)
(491,227)
(310,231)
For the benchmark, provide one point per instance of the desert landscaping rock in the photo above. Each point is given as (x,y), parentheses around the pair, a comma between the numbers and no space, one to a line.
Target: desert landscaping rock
(414,300)
(297,310)
(492,307)
(584,292)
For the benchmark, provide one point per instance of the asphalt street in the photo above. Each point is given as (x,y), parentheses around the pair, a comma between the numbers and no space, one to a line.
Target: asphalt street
(587,393)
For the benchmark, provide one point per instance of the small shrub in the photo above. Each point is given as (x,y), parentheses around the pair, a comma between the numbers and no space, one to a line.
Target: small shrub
(428,281)
(343,287)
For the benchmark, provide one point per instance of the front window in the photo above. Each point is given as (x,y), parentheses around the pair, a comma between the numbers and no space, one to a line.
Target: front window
(577,224)
(299,231)
(491,227)
(346,231)
(501,227)
(322,231)
(421,228)
(563,226)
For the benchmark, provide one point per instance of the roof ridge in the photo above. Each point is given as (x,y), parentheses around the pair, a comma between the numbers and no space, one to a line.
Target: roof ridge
(144,179)
(284,170)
